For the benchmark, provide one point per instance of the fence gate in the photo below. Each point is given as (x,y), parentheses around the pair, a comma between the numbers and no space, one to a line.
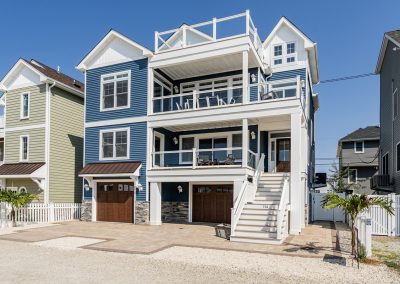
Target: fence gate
(380,220)
(319,213)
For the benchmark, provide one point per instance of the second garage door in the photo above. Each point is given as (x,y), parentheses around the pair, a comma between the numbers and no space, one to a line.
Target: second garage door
(212,203)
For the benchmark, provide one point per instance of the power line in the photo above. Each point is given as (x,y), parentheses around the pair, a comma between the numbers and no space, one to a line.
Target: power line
(346,78)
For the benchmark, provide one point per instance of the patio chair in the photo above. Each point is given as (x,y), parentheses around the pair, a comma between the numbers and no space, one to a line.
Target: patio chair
(268,96)
(178,106)
(232,101)
(204,160)
(230,160)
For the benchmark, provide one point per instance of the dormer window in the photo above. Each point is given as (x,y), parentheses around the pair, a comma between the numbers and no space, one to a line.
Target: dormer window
(283,55)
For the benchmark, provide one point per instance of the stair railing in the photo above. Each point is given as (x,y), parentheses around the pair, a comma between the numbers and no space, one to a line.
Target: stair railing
(282,210)
(247,193)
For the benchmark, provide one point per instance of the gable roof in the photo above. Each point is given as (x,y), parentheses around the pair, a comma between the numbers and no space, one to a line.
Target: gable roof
(45,73)
(367,133)
(394,37)
(112,34)
(309,45)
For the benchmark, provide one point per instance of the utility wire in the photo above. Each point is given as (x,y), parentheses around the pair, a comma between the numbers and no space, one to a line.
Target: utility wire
(346,78)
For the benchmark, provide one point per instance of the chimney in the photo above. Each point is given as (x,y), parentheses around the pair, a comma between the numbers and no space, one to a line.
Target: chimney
(58,69)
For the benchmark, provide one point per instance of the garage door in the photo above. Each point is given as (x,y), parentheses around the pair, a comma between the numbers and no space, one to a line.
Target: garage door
(115,202)
(212,203)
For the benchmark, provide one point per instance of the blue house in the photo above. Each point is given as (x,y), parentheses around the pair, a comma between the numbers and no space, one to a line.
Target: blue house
(209,127)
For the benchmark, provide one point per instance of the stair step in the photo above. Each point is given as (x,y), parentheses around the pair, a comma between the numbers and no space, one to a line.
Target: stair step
(269,189)
(258,217)
(259,212)
(255,228)
(260,223)
(255,240)
(261,235)
(267,198)
(261,206)
(265,202)
(269,193)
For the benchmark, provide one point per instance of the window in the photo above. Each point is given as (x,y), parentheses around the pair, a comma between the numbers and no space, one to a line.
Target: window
(352,178)
(284,90)
(278,50)
(290,48)
(115,144)
(187,144)
(359,147)
(284,55)
(24,145)
(398,157)
(237,143)
(115,90)
(385,164)
(25,106)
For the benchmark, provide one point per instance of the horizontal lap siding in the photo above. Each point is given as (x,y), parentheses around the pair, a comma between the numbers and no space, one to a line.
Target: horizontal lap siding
(138,94)
(36,148)
(288,74)
(66,147)
(37,107)
(138,140)
(31,186)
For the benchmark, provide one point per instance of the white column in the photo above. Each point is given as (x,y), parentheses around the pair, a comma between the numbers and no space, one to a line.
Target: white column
(303,169)
(150,147)
(155,203)
(94,202)
(237,186)
(245,141)
(150,90)
(245,75)
(296,213)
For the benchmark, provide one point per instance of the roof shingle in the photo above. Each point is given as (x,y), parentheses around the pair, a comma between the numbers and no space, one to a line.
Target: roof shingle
(394,35)
(367,133)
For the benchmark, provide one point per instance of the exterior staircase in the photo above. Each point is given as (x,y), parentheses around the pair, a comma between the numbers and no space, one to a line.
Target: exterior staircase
(259,219)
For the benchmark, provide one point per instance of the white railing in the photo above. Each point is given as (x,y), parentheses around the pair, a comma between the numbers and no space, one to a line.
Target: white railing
(219,157)
(281,222)
(40,213)
(247,193)
(199,99)
(210,31)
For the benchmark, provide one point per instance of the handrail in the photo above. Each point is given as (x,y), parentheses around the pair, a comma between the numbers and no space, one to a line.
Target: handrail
(245,195)
(283,204)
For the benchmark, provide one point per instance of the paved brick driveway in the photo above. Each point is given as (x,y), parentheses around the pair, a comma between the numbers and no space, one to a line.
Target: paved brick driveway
(317,240)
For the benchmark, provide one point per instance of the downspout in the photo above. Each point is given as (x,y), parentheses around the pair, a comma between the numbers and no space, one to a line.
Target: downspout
(47,141)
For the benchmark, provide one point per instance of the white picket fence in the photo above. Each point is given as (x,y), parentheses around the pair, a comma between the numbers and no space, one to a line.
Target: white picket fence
(382,222)
(40,213)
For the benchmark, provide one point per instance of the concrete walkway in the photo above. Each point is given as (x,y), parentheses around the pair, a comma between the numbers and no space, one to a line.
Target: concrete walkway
(316,241)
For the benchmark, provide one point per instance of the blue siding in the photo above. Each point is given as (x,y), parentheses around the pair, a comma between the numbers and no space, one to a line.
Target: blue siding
(288,74)
(138,141)
(254,93)
(138,91)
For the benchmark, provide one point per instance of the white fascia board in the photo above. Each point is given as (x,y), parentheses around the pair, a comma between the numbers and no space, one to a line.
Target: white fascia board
(196,175)
(14,70)
(65,87)
(118,121)
(82,65)
(40,173)
(382,51)
(313,61)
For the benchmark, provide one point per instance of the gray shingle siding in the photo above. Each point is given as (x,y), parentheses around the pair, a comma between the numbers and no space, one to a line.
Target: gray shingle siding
(390,71)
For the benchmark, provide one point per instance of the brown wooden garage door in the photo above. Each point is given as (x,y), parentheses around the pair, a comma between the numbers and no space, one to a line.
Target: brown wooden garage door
(115,202)
(212,203)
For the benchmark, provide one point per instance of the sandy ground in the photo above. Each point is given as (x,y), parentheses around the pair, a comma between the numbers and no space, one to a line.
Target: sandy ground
(35,263)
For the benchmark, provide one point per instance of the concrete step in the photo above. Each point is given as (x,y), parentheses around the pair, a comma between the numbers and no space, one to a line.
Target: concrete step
(260,223)
(259,235)
(256,228)
(269,193)
(261,206)
(255,240)
(266,202)
(258,217)
(267,198)
(257,211)
(269,189)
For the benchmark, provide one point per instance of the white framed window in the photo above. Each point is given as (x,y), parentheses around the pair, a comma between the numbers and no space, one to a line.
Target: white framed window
(352,178)
(284,89)
(25,102)
(24,148)
(114,144)
(358,146)
(284,53)
(115,91)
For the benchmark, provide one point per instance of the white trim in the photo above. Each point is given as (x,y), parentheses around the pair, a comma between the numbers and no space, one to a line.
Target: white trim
(111,122)
(21,149)
(272,164)
(21,116)
(162,146)
(115,80)
(114,130)
(349,176)
(29,127)
(355,147)
(382,51)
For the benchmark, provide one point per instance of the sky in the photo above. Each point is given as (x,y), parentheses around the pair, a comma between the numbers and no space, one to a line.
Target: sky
(348,34)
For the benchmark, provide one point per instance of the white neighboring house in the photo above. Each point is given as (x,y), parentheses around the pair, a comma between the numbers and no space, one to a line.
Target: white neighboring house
(230,127)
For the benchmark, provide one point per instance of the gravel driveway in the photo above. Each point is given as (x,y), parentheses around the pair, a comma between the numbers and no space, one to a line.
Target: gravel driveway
(30,263)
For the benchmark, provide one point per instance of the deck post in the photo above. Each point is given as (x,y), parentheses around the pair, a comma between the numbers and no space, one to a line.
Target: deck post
(214,29)
(245,141)
(296,190)
(155,41)
(245,76)
(155,203)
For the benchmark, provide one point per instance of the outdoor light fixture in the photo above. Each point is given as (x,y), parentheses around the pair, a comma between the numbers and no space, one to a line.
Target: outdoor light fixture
(176,89)
(139,187)
(253,78)
(175,140)
(87,187)
(180,189)
(303,83)
(253,135)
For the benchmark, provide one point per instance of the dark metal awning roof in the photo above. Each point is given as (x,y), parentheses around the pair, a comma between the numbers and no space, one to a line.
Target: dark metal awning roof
(19,169)
(112,169)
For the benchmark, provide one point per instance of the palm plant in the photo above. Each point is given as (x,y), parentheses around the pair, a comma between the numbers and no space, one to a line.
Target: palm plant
(354,206)
(16,200)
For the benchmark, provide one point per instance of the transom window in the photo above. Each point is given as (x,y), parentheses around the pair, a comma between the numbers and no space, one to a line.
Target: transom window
(115,144)
(284,55)
(25,106)
(115,90)
(359,147)
(24,148)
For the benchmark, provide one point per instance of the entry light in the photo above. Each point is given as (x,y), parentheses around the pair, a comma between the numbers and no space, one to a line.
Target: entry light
(139,187)
(253,78)
(253,135)
(175,140)
(180,189)
(176,89)
(87,187)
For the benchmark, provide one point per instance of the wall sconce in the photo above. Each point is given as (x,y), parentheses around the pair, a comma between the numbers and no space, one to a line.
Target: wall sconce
(253,135)
(253,78)
(176,89)
(87,187)
(175,140)
(180,189)
(303,83)
(139,187)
